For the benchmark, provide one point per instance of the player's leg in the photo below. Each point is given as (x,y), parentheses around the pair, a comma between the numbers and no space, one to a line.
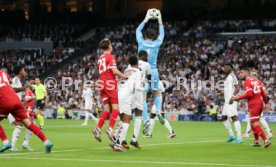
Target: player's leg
(16,132)
(151,125)
(20,114)
(248,127)
(137,126)
(237,126)
(227,124)
(124,129)
(86,114)
(25,144)
(169,127)
(266,127)
(39,115)
(145,104)
(157,94)
(5,142)
(255,125)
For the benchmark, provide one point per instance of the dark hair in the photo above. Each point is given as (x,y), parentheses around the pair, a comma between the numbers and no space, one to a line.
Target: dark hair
(133,60)
(150,33)
(17,69)
(228,64)
(244,67)
(104,44)
(142,53)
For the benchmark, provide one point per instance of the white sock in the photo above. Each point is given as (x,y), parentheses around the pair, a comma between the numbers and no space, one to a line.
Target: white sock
(15,135)
(118,129)
(265,125)
(137,126)
(248,127)
(45,142)
(28,135)
(152,122)
(86,117)
(238,129)
(228,127)
(123,133)
(168,126)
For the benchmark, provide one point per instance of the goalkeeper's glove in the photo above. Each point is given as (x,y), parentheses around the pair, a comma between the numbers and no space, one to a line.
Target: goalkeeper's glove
(159,17)
(147,16)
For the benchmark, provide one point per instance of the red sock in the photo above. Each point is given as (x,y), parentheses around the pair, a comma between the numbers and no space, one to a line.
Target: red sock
(113,118)
(103,117)
(38,132)
(260,132)
(3,136)
(256,135)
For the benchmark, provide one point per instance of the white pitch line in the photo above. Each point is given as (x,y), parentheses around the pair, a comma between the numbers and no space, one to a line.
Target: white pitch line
(103,148)
(140,162)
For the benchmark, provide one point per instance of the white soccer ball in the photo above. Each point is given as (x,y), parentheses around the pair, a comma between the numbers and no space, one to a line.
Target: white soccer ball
(154,13)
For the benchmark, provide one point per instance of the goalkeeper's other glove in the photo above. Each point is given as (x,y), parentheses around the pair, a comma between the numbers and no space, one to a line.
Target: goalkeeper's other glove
(147,16)
(159,17)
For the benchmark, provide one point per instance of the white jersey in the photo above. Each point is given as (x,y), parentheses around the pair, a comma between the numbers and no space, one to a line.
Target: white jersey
(145,69)
(229,86)
(16,83)
(127,88)
(87,94)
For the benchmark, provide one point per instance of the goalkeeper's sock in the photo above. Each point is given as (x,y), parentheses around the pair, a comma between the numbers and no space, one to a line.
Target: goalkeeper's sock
(157,103)
(40,119)
(145,111)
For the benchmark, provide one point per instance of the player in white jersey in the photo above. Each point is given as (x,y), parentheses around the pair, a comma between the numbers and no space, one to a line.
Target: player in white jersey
(87,96)
(126,91)
(254,74)
(20,75)
(155,113)
(230,110)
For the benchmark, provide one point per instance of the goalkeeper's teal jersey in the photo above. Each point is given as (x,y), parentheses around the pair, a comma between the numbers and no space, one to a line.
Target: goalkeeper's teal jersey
(152,47)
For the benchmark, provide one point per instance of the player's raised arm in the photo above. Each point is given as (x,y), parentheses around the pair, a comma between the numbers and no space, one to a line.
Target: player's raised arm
(161,35)
(139,35)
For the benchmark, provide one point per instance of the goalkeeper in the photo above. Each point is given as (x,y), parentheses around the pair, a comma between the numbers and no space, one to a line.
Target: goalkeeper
(152,45)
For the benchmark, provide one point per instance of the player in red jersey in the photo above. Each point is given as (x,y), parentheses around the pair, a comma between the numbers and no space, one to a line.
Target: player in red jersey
(11,104)
(255,95)
(108,89)
(29,105)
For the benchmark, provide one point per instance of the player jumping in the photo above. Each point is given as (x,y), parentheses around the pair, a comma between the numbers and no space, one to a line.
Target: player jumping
(152,45)
(255,95)
(108,89)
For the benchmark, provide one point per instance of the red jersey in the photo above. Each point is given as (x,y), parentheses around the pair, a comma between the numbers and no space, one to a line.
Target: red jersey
(5,87)
(255,93)
(105,63)
(29,94)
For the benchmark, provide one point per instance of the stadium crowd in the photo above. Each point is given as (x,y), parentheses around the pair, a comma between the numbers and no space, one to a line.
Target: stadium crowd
(193,59)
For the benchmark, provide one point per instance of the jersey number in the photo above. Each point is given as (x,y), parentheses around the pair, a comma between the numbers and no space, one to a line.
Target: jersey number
(256,87)
(3,80)
(102,65)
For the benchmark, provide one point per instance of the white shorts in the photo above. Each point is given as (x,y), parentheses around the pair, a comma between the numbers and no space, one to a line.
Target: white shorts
(230,110)
(125,99)
(88,106)
(138,100)
(11,119)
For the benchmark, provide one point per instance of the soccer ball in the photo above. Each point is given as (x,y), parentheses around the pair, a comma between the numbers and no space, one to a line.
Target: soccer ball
(154,13)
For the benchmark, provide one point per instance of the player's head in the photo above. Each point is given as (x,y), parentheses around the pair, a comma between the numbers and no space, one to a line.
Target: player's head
(19,70)
(105,45)
(227,68)
(143,55)
(149,34)
(133,61)
(254,73)
(37,81)
(244,72)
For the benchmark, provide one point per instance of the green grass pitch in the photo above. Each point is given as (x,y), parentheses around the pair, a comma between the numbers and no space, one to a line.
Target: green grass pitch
(196,144)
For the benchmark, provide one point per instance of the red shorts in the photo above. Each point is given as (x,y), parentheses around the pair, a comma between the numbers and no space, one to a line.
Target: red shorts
(109,92)
(255,113)
(10,104)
